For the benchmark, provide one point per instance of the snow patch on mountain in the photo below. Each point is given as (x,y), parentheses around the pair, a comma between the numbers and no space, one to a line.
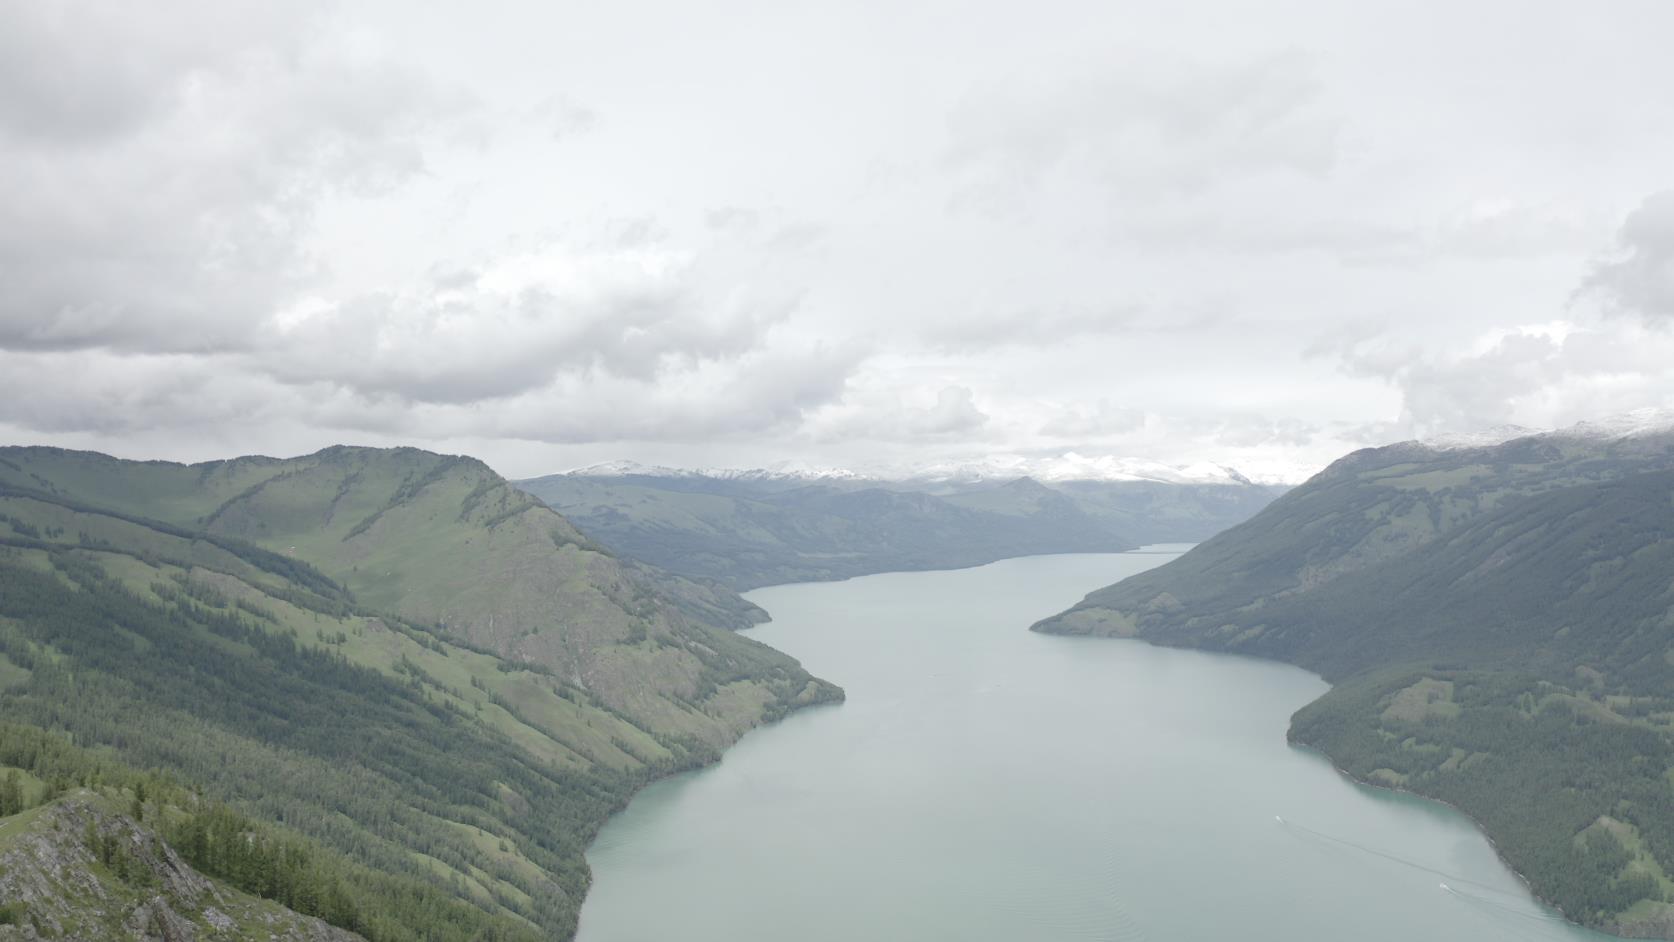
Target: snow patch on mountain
(780,471)
(1051,469)
(1639,422)
(1481,438)
(1071,466)
(1634,424)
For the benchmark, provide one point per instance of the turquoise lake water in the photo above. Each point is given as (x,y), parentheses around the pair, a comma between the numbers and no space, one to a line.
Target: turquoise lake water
(987,783)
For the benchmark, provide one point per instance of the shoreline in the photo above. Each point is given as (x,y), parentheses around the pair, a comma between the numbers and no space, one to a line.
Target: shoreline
(708,761)
(1394,789)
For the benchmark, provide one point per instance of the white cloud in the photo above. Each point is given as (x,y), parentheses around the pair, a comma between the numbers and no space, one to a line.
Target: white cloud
(519,323)
(1099,227)
(1640,279)
(1148,127)
(1538,375)
(158,171)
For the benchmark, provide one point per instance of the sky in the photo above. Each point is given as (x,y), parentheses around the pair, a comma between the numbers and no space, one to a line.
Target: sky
(842,234)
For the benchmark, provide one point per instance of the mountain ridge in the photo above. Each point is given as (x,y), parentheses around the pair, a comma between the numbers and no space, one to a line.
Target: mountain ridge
(1067,466)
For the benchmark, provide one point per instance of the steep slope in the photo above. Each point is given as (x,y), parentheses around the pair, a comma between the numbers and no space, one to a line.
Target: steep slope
(467,775)
(445,541)
(1364,510)
(1497,623)
(76,869)
(746,530)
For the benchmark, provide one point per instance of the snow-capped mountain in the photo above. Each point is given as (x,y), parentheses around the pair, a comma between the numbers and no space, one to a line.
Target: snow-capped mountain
(1648,421)
(1069,466)
(1482,438)
(1634,424)
(780,471)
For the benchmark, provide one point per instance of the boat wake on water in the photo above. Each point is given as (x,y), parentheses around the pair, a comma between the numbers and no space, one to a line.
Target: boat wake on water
(1452,881)
(1403,861)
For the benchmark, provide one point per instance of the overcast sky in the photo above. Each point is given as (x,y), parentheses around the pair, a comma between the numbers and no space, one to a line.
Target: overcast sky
(844,233)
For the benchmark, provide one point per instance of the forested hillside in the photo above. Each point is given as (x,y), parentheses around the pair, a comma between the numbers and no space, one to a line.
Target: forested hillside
(1497,624)
(428,680)
(754,530)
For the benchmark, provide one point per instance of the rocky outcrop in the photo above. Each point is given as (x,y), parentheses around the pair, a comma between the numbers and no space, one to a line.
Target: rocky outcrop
(74,870)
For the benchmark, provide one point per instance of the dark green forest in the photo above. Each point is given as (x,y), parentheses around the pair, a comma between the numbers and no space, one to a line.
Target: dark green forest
(1537,767)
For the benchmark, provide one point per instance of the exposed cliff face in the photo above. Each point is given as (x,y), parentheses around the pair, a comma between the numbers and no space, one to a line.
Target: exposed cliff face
(74,870)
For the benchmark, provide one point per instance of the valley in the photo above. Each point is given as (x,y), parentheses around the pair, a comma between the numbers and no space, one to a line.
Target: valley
(747,529)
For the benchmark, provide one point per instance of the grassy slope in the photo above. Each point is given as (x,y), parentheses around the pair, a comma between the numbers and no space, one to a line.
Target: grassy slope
(584,677)
(1496,623)
(444,540)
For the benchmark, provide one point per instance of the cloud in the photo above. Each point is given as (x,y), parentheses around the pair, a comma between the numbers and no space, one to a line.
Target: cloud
(157,172)
(1146,127)
(764,392)
(1037,327)
(882,414)
(1486,230)
(1537,375)
(102,392)
(1640,279)
(520,323)
(566,117)
(1098,420)
(955,412)
(1236,430)
(1055,325)
(306,221)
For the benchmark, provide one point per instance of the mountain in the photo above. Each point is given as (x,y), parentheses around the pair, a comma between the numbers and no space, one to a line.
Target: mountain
(1495,621)
(745,529)
(989,468)
(80,869)
(427,678)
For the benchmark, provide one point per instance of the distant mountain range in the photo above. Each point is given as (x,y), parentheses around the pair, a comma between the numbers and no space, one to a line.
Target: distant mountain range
(1498,620)
(748,528)
(1068,466)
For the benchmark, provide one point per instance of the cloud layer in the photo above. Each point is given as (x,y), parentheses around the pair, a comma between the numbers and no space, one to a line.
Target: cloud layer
(552,237)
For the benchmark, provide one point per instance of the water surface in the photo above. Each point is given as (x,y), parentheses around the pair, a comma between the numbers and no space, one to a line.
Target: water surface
(987,783)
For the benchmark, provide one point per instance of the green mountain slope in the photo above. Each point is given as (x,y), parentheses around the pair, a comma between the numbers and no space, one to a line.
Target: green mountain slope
(1497,624)
(463,727)
(746,532)
(445,541)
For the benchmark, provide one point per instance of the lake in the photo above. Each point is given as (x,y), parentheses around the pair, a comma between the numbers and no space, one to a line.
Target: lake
(987,783)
